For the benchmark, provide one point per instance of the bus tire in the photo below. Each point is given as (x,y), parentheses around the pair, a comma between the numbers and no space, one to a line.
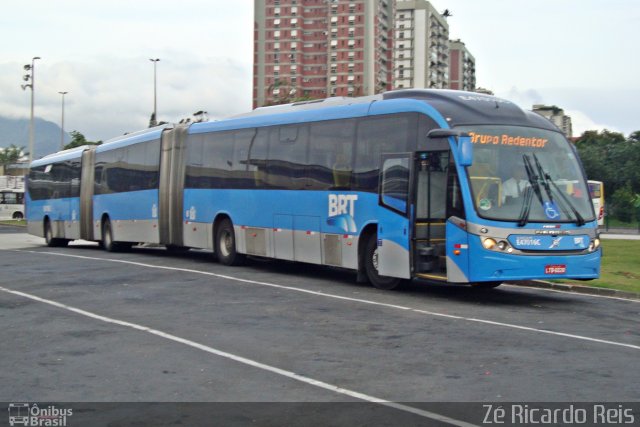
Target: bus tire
(52,242)
(371,267)
(107,237)
(485,285)
(225,242)
(17,215)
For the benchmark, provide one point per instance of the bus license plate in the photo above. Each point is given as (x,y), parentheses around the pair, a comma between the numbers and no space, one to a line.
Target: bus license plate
(555,269)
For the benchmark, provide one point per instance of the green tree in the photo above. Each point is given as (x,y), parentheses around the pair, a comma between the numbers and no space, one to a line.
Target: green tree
(611,158)
(78,140)
(11,154)
(623,203)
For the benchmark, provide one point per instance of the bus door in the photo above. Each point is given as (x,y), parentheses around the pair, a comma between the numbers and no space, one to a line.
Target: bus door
(393,222)
(432,176)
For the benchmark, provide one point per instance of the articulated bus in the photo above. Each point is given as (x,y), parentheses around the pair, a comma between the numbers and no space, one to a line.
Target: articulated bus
(401,185)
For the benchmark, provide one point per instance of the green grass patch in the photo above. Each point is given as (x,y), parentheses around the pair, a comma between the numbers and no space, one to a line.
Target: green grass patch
(616,223)
(16,222)
(620,266)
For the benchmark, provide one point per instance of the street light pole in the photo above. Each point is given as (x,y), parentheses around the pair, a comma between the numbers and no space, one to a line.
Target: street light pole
(154,119)
(62,122)
(32,86)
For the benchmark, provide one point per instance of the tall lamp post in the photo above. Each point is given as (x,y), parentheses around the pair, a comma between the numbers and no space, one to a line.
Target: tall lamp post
(154,117)
(32,76)
(62,122)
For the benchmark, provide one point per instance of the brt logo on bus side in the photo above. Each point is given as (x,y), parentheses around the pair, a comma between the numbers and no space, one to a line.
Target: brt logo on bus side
(342,209)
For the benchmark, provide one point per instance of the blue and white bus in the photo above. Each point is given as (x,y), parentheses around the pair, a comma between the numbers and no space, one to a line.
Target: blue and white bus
(402,185)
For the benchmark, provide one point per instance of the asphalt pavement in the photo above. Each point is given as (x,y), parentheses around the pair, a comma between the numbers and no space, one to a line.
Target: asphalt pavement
(83,325)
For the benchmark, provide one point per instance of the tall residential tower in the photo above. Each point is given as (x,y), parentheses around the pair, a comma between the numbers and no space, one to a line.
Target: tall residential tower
(421,50)
(320,48)
(462,68)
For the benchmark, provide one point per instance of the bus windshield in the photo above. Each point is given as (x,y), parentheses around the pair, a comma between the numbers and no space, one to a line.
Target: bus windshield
(526,175)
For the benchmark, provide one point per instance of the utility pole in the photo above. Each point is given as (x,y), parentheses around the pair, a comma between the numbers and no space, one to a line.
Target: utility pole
(26,78)
(62,122)
(154,118)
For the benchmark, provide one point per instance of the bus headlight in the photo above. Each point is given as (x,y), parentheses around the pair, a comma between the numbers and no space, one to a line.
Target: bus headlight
(502,245)
(594,244)
(488,243)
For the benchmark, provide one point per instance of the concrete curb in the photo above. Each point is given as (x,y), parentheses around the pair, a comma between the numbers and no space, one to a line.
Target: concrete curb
(579,289)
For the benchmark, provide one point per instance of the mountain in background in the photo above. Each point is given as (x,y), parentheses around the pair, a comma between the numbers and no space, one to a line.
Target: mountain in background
(46,139)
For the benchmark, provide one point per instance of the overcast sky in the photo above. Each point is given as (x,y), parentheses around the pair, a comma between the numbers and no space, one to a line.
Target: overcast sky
(581,55)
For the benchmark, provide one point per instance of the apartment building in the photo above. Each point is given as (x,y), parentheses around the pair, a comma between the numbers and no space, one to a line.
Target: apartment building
(462,67)
(320,48)
(557,116)
(421,50)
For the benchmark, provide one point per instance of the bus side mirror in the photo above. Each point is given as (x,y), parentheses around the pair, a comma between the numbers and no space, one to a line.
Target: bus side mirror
(465,150)
(465,147)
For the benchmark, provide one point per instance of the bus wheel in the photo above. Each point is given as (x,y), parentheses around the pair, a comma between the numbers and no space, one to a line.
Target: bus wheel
(225,242)
(18,215)
(371,267)
(48,235)
(107,237)
(485,285)
(52,242)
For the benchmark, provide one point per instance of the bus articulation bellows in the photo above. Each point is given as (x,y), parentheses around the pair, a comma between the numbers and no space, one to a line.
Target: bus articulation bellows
(443,185)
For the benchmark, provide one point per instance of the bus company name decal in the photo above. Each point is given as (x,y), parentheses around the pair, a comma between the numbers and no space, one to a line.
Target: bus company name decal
(342,210)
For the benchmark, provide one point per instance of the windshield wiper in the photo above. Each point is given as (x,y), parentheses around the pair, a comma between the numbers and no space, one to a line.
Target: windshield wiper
(546,179)
(528,196)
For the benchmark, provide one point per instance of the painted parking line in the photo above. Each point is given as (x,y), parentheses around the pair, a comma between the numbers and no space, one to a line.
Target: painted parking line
(246,361)
(340,297)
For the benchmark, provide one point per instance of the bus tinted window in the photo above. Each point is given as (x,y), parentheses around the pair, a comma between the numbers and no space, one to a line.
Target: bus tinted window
(217,155)
(55,181)
(258,157)
(287,157)
(132,168)
(242,171)
(331,155)
(376,136)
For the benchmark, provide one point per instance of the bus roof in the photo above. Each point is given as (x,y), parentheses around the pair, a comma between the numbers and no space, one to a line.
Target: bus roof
(133,138)
(447,107)
(471,108)
(60,156)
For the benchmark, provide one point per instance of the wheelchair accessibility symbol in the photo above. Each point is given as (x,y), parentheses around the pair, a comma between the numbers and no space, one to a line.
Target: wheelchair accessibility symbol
(551,210)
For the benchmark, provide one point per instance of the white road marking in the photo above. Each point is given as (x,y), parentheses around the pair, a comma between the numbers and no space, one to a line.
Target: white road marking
(246,361)
(560,291)
(340,297)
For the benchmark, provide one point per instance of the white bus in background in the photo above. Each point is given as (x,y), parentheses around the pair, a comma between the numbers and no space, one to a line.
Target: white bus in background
(596,191)
(12,203)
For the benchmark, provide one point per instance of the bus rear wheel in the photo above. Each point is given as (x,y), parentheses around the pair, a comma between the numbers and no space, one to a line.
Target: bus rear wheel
(107,237)
(225,244)
(371,267)
(52,242)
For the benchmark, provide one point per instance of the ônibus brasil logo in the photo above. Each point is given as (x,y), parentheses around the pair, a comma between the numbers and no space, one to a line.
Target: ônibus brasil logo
(342,209)
(25,414)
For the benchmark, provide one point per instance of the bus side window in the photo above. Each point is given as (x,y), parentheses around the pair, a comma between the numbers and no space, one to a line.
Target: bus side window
(376,136)
(194,167)
(287,157)
(242,175)
(331,155)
